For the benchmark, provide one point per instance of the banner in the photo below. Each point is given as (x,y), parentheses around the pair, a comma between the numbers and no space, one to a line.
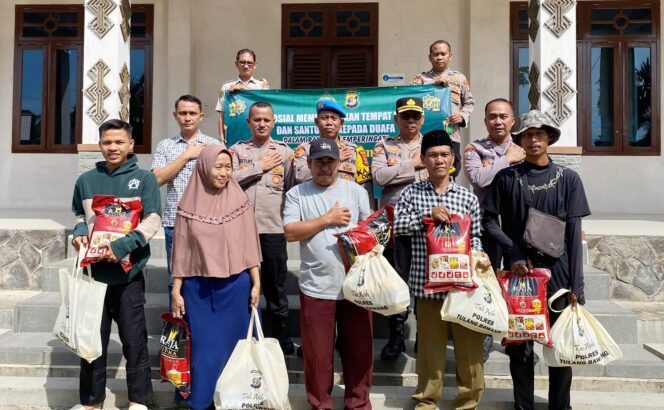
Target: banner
(369,112)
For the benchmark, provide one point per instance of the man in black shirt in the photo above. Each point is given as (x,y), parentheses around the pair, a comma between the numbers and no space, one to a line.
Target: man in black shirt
(554,190)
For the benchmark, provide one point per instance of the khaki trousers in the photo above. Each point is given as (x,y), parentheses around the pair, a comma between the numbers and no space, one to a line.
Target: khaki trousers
(431,352)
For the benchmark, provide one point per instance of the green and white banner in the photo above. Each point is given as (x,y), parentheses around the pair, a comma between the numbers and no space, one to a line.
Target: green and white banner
(369,112)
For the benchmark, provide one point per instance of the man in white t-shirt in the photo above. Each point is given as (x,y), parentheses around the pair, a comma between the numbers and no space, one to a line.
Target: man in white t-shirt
(314,212)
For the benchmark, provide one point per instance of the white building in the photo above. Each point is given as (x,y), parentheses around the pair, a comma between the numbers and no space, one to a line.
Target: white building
(188,47)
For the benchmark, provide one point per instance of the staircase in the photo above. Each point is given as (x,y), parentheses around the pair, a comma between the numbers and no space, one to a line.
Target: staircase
(37,372)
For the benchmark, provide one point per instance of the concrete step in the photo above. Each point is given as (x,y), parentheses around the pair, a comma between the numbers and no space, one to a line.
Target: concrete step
(41,354)
(621,323)
(60,393)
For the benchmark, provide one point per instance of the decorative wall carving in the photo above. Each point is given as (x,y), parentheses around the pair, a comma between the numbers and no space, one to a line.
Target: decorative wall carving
(559,92)
(558,23)
(98,91)
(534,92)
(125,10)
(101,24)
(533,24)
(124,93)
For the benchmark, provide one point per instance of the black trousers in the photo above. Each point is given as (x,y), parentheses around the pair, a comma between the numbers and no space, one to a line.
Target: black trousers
(400,257)
(274,271)
(125,305)
(522,369)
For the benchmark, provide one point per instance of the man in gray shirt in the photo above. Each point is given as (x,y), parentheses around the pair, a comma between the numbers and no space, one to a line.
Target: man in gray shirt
(314,212)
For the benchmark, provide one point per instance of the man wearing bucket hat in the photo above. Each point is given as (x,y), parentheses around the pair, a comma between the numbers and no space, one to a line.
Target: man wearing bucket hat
(554,190)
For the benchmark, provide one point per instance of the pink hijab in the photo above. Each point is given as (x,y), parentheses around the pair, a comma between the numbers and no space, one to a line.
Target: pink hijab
(215,231)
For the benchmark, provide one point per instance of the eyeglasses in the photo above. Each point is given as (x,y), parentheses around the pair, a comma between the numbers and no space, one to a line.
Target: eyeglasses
(410,115)
(247,63)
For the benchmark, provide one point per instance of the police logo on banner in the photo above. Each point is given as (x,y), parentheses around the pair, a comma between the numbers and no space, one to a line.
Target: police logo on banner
(236,108)
(431,103)
(352,99)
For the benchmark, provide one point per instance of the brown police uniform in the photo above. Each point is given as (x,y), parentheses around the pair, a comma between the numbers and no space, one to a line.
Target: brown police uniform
(348,169)
(266,191)
(252,84)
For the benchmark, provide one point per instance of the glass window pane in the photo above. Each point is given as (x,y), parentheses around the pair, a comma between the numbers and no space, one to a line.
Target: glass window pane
(66,31)
(34,31)
(601,100)
(603,29)
(32,77)
(296,16)
(638,28)
(524,82)
(35,17)
(639,97)
(137,17)
(603,14)
(363,16)
(637,14)
(66,96)
(65,17)
(137,91)
(138,31)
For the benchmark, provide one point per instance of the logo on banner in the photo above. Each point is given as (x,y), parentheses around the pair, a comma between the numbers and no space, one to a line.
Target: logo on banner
(352,99)
(431,103)
(236,108)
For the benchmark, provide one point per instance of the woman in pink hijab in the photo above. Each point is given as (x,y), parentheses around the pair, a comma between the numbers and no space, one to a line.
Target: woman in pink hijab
(216,254)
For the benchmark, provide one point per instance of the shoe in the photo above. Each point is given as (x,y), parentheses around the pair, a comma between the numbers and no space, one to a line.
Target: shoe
(287,346)
(395,345)
(137,406)
(391,351)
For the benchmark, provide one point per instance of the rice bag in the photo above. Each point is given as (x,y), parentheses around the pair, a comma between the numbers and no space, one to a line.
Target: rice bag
(361,239)
(448,264)
(114,220)
(175,345)
(526,303)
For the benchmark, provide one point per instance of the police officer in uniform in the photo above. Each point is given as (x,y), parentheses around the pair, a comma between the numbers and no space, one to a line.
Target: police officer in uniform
(397,163)
(264,169)
(245,62)
(329,120)
(483,159)
(463,104)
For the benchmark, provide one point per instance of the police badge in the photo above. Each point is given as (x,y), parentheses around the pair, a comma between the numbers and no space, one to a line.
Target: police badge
(352,99)
(236,108)
(431,103)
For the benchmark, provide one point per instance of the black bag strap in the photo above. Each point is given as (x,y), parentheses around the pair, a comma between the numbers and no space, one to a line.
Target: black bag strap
(522,177)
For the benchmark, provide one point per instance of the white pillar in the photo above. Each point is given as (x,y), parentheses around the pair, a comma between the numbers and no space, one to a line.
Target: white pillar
(105,69)
(552,51)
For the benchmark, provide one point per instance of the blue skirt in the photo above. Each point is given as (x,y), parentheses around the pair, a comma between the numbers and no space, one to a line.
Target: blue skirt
(217,310)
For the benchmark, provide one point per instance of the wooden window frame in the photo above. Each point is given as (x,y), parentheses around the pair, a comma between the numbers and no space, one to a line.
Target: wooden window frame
(329,39)
(50,45)
(585,41)
(147,44)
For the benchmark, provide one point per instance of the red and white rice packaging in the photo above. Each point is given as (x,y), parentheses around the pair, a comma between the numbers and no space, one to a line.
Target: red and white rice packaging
(448,262)
(527,306)
(114,220)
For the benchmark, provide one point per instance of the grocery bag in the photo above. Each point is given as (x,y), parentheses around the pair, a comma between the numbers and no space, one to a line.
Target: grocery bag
(448,255)
(175,353)
(369,232)
(79,318)
(372,283)
(483,310)
(255,376)
(578,338)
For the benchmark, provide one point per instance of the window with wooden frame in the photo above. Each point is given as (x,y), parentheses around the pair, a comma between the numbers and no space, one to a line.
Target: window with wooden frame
(329,45)
(48,62)
(617,71)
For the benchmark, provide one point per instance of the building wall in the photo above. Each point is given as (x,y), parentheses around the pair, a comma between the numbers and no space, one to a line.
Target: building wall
(195,46)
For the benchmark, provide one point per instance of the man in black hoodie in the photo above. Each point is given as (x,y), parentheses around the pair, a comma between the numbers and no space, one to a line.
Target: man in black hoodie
(120,176)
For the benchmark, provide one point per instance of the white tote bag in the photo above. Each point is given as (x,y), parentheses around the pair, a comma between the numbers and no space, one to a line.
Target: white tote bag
(483,310)
(255,376)
(79,319)
(579,339)
(372,283)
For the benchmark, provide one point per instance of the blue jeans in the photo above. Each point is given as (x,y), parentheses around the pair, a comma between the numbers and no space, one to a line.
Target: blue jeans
(168,234)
